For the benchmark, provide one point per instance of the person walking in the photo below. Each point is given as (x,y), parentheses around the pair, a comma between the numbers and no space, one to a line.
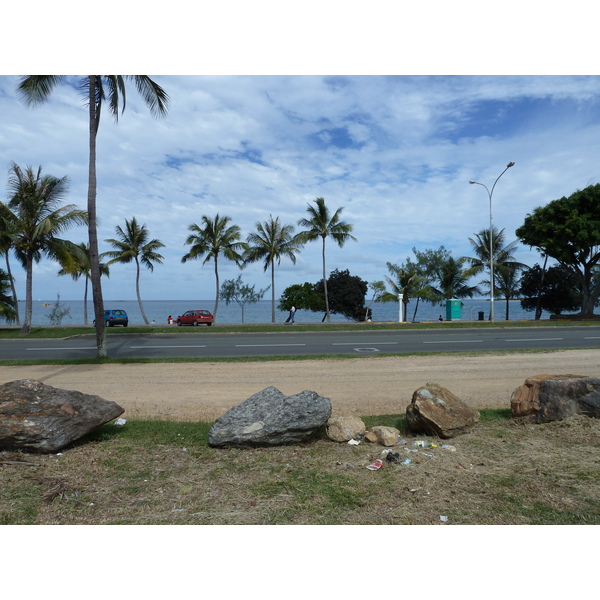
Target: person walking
(292,314)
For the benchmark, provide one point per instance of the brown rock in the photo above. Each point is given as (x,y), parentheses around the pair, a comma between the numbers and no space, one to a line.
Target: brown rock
(436,410)
(545,398)
(343,429)
(35,417)
(380,434)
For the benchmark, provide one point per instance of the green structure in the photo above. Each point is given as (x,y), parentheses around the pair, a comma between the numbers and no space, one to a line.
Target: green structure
(453,309)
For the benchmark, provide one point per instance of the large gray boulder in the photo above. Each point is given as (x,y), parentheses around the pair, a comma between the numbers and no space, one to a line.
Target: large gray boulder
(436,410)
(545,398)
(35,417)
(270,418)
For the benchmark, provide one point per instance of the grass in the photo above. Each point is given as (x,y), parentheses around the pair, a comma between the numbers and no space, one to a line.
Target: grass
(160,472)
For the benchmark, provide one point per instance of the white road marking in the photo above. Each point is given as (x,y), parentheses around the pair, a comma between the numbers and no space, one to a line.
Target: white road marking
(265,345)
(536,340)
(44,349)
(142,347)
(352,343)
(456,342)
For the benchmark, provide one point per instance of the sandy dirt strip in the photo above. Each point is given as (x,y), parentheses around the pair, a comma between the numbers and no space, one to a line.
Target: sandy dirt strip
(361,386)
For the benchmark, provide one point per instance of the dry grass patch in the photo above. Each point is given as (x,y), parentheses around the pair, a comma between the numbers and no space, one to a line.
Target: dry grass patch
(156,472)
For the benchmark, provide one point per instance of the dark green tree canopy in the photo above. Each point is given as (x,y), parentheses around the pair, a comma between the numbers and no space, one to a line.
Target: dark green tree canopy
(303,296)
(558,289)
(568,230)
(346,294)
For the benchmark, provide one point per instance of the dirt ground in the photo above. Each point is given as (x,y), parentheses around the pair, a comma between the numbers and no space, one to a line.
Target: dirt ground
(359,387)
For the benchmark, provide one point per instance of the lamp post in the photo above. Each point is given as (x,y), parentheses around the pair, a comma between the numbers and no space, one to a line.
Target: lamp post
(508,166)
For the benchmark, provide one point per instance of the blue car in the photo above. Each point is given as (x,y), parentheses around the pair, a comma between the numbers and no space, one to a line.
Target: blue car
(115,317)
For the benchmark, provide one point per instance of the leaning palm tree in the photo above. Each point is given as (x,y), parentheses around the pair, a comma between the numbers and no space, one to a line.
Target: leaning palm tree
(80,266)
(270,242)
(38,217)
(214,237)
(36,89)
(133,245)
(320,224)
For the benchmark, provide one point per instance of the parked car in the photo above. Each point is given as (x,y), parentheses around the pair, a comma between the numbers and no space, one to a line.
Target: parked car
(195,317)
(115,317)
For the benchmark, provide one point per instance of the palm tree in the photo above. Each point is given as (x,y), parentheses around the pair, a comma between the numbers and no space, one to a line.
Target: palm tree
(270,242)
(502,256)
(37,217)
(508,283)
(214,237)
(405,280)
(6,244)
(81,267)
(133,245)
(7,302)
(36,89)
(322,225)
(452,280)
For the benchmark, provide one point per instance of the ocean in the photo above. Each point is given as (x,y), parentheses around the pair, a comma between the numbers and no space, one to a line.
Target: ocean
(260,312)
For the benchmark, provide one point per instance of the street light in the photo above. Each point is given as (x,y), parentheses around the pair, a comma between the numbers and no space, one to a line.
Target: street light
(508,166)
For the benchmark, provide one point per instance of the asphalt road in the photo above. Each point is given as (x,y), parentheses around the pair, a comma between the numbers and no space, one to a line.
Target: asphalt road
(299,343)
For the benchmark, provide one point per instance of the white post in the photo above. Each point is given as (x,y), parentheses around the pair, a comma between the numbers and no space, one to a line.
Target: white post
(400,298)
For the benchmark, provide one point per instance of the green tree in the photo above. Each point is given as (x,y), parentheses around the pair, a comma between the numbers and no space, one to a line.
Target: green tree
(346,294)
(378,289)
(97,90)
(568,230)
(59,312)
(80,266)
(132,244)
(7,302)
(321,224)
(211,239)
(303,296)
(404,279)
(452,280)
(555,290)
(234,290)
(37,217)
(270,243)
(505,267)
(6,244)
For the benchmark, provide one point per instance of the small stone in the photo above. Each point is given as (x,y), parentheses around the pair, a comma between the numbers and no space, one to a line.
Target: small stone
(344,429)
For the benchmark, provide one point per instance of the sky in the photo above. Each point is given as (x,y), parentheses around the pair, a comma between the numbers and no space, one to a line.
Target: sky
(394,145)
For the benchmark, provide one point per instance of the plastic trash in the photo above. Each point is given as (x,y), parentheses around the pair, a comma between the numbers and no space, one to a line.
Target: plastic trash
(393,458)
(375,465)
(353,442)
(120,421)
(449,448)
(386,451)
(407,461)
(443,518)
(423,444)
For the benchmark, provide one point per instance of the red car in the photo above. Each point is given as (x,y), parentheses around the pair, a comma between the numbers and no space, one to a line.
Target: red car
(195,317)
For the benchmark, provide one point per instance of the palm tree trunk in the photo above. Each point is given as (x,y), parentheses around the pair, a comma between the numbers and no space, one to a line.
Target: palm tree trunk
(137,291)
(325,286)
(13,290)
(272,292)
(217,290)
(92,227)
(28,296)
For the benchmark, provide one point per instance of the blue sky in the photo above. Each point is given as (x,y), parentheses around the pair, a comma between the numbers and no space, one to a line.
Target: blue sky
(253,137)
(397,152)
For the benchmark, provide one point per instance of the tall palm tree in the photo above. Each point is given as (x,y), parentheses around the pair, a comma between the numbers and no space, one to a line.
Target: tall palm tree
(36,89)
(81,267)
(320,224)
(38,217)
(6,244)
(7,302)
(270,242)
(214,237)
(133,245)
(508,284)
